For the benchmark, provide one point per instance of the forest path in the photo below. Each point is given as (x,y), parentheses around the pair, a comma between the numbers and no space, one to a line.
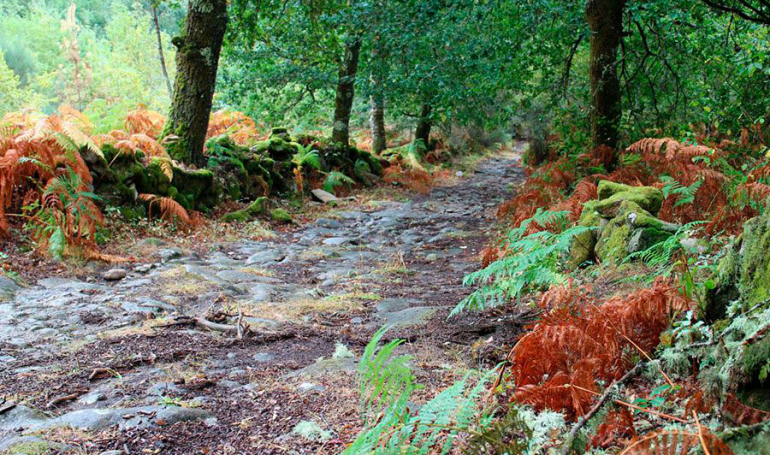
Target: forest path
(134,378)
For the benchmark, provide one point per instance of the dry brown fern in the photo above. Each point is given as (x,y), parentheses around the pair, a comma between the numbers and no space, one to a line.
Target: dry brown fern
(236,125)
(170,209)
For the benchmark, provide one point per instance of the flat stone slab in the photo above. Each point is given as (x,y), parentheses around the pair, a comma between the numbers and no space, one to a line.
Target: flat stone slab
(409,317)
(124,418)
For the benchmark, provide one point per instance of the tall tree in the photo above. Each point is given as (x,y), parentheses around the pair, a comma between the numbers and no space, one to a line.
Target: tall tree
(424,124)
(162,58)
(605,20)
(197,59)
(346,88)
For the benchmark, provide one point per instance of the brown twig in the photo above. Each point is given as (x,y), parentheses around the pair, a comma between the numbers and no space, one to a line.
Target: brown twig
(63,398)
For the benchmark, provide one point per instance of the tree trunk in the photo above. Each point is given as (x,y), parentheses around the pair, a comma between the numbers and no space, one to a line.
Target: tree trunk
(343,101)
(160,51)
(377,121)
(424,124)
(605,20)
(197,59)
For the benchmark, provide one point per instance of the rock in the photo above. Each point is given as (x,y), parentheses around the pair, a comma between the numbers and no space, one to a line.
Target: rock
(113,452)
(31,445)
(392,305)
(612,194)
(307,387)
(265,258)
(582,248)
(114,274)
(256,208)
(409,317)
(744,272)
(163,389)
(324,196)
(263,357)
(326,366)
(92,398)
(459,173)
(124,418)
(8,288)
(328,223)
(281,215)
(168,254)
(338,241)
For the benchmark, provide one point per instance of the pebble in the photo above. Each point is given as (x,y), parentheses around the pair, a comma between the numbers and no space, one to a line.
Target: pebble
(114,274)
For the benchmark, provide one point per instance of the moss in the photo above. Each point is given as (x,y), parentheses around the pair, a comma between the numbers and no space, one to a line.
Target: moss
(756,356)
(611,195)
(754,282)
(612,246)
(256,208)
(197,188)
(133,212)
(583,246)
(281,216)
(29,448)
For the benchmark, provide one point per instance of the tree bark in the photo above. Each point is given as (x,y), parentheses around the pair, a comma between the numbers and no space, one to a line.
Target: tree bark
(424,125)
(377,121)
(197,59)
(343,101)
(160,51)
(605,20)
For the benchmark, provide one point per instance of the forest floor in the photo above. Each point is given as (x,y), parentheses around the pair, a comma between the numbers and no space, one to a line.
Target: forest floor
(93,365)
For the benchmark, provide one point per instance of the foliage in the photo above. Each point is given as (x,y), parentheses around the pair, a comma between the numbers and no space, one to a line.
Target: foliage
(585,342)
(386,386)
(531,261)
(336,179)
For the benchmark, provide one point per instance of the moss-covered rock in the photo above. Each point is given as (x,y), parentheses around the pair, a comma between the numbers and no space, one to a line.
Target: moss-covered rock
(744,272)
(632,229)
(280,215)
(196,188)
(612,194)
(583,245)
(256,208)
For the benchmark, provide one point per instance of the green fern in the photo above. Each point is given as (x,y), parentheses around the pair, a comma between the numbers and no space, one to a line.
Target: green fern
(307,157)
(336,178)
(686,194)
(532,261)
(660,256)
(386,385)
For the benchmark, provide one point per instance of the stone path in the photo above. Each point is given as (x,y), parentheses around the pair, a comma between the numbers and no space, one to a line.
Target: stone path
(398,263)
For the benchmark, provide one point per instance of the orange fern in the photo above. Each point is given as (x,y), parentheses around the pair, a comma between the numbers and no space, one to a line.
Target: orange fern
(677,442)
(169,208)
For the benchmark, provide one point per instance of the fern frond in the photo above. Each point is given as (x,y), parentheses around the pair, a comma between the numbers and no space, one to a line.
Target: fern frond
(335,179)
(169,208)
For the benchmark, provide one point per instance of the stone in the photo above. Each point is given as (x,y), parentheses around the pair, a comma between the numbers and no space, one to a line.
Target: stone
(338,241)
(326,366)
(324,196)
(263,357)
(265,257)
(168,254)
(256,208)
(124,418)
(163,389)
(744,272)
(612,194)
(582,248)
(328,223)
(8,288)
(114,274)
(113,452)
(409,317)
(307,387)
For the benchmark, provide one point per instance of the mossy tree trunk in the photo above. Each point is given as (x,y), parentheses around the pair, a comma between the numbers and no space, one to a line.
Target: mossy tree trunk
(343,101)
(605,20)
(197,59)
(424,124)
(377,121)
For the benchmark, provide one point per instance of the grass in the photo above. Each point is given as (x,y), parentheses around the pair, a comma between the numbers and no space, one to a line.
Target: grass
(180,281)
(395,266)
(293,309)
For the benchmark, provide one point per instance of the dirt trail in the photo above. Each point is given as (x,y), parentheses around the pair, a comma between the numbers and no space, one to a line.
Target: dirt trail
(124,370)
